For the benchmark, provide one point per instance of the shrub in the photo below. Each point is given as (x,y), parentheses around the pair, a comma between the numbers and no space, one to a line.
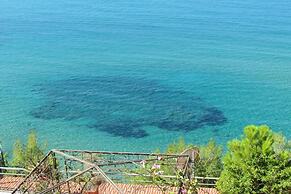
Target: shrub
(209,163)
(3,156)
(27,156)
(177,147)
(252,165)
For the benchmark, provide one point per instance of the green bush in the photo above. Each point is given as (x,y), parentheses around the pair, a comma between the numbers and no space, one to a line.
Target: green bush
(27,156)
(255,164)
(3,156)
(209,162)
(177,147)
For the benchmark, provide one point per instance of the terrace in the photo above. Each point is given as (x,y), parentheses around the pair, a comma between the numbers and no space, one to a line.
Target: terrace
(95,172)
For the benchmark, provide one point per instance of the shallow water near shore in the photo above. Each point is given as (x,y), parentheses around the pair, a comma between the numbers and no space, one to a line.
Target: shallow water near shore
(136,75)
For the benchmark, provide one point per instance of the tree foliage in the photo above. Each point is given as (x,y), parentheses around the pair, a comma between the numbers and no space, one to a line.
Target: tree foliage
(18,154)
(3,156)
(28,155)
(281,143)
(177,147)
(254,165)
(209,162)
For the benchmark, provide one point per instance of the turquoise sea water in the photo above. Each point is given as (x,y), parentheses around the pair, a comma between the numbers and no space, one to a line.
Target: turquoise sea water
(135,74)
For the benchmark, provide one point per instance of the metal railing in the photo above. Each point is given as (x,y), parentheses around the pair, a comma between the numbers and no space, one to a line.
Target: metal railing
(13,171)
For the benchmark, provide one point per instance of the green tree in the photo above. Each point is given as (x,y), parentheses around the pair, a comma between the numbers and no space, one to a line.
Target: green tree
(28,155)
(209,163)
(18,154)
(251,164)
(177,147)
(281,143)
(33,152)
(3,156)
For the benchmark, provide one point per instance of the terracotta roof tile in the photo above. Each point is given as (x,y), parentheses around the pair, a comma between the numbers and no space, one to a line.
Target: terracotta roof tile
(9,183)
(142,189)
(207,191)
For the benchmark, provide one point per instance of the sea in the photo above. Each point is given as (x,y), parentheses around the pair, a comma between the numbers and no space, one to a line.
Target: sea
(136,75)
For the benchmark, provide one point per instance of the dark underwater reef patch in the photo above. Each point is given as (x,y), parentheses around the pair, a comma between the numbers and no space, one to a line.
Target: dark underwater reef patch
(123,106)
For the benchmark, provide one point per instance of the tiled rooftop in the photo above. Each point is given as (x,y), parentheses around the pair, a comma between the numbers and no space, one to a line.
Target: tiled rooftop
(8,183)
